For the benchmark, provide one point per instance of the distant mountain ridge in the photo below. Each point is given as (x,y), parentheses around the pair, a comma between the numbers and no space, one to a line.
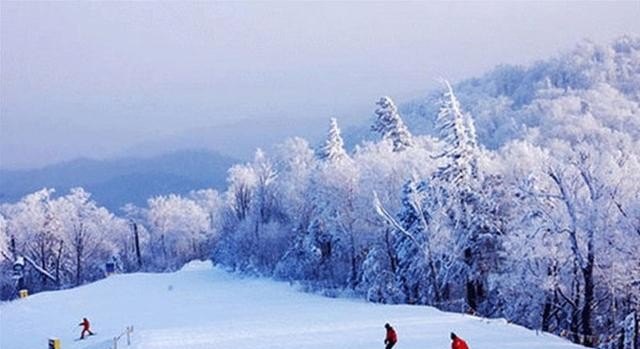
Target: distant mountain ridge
(116,182)
(238,139)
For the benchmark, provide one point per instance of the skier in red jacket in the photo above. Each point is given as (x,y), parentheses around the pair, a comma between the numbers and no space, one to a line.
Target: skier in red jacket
(392,338)
(85,327)
(457,342)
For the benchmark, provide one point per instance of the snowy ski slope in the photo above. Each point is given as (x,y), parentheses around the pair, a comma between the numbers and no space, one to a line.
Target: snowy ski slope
(203,307)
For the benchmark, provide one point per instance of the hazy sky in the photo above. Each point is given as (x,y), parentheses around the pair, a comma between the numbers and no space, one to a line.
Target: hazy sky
(95,78)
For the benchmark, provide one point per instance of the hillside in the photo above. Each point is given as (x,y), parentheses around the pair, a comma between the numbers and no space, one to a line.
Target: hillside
(591,89)
(204,307)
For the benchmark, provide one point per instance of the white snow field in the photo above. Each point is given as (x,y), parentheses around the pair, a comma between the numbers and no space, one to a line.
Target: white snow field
(204,307)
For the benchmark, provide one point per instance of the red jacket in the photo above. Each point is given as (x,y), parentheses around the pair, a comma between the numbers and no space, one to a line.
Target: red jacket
(85,324)
(391,335)
(459,344)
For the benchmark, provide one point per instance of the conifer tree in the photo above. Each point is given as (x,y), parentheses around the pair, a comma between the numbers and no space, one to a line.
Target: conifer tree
(460,148)
(333,148)
(390,126)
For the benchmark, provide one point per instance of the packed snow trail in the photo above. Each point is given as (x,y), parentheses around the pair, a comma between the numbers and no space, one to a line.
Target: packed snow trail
(204,307)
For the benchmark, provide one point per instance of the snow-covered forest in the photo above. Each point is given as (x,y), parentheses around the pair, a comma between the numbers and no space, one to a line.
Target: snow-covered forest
(513,195)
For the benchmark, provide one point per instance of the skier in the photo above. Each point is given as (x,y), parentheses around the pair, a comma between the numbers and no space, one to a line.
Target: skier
(85,327)
(457,342)
(392,338)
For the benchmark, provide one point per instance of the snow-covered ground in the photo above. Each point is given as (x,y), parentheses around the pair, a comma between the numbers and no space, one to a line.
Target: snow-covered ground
(203,307)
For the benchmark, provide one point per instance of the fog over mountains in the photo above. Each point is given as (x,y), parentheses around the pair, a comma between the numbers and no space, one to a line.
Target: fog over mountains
(591,87)
(116,182)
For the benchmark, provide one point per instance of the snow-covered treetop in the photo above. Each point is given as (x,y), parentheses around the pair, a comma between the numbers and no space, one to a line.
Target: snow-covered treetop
(458,136)
(390,126)
(176,214)
(3,235)
(333,148)
(264,169)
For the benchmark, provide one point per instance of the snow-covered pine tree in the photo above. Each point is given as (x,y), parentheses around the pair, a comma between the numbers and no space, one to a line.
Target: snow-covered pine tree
(300,261)
(333,193)
(378,278)
(310,257)
(390,126)
(425,262)
(333,148)
(412,271)
(460,147)
(469,208)
(323,244)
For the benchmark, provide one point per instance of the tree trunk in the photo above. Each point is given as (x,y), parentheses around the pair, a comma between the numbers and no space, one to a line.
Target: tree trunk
(546,315)
(43,263)
(471,296)
(14,252)
(164,252)
(575,324)
(78,265)
(393,263)
(354,263)
(136,237)
(58,263)
(587,274)
(472,300)
(434,280)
